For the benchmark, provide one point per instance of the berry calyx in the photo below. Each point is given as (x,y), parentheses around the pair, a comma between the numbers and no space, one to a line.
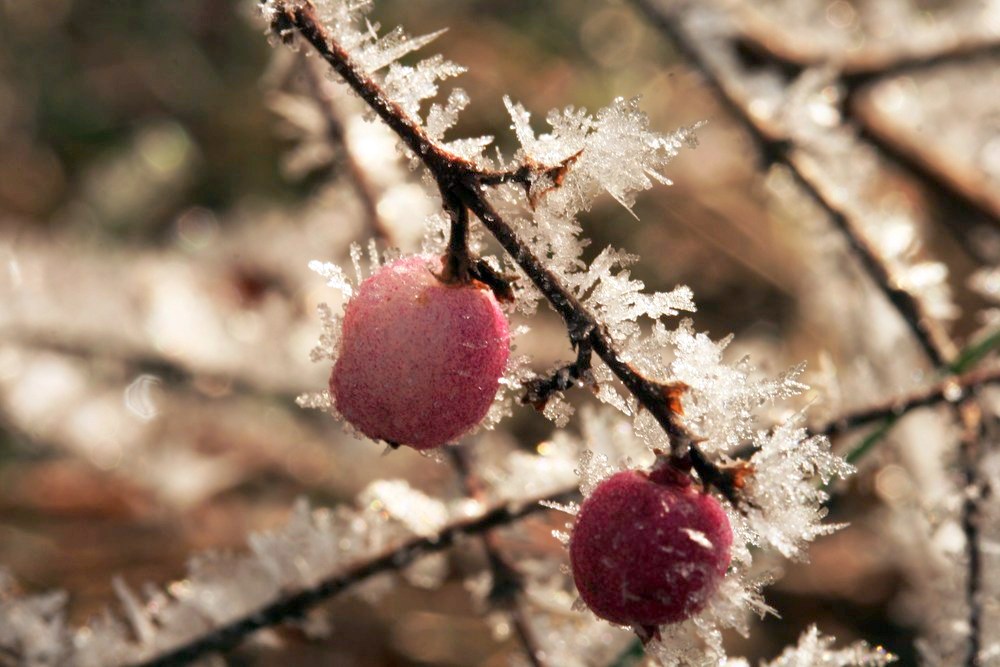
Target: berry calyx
(420,360)
(648,550)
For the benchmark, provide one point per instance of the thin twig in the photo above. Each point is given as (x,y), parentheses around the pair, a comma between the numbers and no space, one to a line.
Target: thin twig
(969,455)
(951,390)
(335,133)
(507,586)
(761,36)
(966,184)
(294,605)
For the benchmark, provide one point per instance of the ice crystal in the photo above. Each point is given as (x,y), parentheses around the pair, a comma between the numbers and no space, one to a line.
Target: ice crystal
(618,135)
(815,650)
(722,402)
(618,301)
(421,514)
(785,504)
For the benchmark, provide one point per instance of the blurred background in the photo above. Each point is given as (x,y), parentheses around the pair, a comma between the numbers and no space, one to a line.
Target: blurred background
(166,175)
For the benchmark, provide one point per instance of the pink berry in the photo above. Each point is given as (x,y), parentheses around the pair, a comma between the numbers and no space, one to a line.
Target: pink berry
(420,360)
(649,549)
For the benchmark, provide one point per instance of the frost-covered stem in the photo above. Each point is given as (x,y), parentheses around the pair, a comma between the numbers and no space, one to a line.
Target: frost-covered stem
(974,487)
(296,603)
(777,145)
(949,390)
(507,583)
(301,17)
(585,328)
(932,337)
(457,177)
(335,133)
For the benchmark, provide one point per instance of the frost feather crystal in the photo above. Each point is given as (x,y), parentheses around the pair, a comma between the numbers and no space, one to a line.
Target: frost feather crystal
(420,360)
(649,549)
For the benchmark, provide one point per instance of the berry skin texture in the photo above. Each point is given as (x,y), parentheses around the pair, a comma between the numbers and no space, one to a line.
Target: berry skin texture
(648,550)
(420,360)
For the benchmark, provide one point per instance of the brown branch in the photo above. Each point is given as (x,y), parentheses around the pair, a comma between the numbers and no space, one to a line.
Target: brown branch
(950,390)
(763,37)
(295,604)
(961,181)
(507,586)
(974,487)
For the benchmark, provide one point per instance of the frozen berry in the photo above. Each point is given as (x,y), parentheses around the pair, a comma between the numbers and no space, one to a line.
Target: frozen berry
(649,549)
(420,360)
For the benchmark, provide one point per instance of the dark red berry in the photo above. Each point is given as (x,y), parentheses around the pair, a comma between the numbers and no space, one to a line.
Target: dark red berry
(649,549)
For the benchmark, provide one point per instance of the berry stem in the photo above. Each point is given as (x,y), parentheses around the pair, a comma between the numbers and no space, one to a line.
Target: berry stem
(458,258)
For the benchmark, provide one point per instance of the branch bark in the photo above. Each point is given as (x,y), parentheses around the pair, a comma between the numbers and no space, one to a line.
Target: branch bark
(950,390)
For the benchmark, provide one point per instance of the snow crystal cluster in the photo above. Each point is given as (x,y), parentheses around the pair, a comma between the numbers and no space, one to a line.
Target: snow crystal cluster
(815,649)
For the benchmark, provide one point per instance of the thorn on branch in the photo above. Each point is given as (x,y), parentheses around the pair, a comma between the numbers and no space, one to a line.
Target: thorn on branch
(540,390)
(728,479)
(673,392)
(528,174)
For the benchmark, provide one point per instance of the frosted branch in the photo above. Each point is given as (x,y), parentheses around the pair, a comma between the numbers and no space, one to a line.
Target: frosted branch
(223,600)
(707,48)
(950,390)
(460,180)
(506,582)
(708,41)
